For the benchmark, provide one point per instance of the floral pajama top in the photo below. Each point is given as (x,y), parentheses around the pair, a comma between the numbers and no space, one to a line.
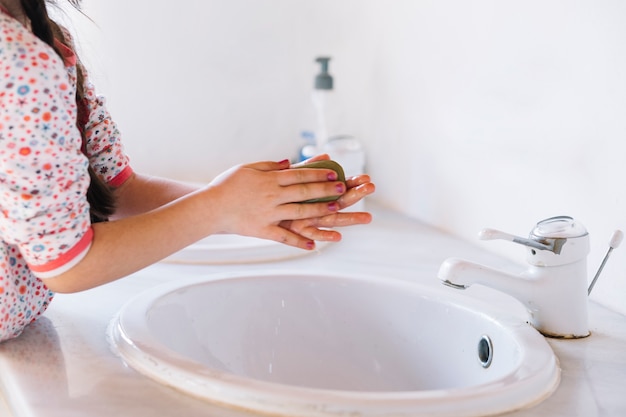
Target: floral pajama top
(45,226)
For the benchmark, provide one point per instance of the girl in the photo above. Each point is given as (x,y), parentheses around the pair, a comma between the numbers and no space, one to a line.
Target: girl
(74,215)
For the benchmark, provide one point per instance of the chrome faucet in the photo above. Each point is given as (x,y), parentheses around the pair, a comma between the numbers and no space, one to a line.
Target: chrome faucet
(553,287)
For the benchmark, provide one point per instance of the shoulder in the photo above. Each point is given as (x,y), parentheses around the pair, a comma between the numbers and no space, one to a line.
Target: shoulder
(37,97)
(32,73)
(22,52)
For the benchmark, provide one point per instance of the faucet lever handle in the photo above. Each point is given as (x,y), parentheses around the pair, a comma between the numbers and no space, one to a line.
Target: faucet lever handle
(616,240)
(493,234)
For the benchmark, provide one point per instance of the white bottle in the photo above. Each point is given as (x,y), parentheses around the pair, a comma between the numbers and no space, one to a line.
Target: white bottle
(329,137)
(345,149)
(322,98)
(348,152)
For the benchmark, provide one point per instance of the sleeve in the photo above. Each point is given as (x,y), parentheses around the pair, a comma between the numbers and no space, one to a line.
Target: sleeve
(43,175)
(104,146)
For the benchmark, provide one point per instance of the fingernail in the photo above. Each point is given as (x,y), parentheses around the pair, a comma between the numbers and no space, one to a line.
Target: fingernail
(284,161)
(340,188)
(333,206)
(310,244)
(332,176)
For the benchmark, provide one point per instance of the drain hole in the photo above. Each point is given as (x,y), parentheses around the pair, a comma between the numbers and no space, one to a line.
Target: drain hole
(485,351)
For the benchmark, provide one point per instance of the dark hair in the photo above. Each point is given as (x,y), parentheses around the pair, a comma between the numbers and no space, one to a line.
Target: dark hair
(99,195)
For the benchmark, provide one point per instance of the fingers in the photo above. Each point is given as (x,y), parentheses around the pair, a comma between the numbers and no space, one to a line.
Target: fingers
(269,165)
(342,219)
(321,235)
(319,229)
(303,233)
(304,184)
(358,188)
(285,236)
(284,164)
(314,192)
(357,180)
(287,185)
(300,211)
(305,175)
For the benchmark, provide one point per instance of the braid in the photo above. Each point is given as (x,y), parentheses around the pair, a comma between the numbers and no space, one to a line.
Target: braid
(99,195)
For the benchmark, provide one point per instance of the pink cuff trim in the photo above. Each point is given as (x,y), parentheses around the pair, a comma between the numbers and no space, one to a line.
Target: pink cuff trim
(121,178)
(66,257)
(69,57)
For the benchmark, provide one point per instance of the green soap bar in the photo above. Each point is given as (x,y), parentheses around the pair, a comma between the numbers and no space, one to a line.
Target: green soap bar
(326,165)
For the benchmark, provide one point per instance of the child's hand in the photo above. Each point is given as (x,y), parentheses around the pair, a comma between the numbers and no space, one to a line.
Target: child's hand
(263,200)
(253,199)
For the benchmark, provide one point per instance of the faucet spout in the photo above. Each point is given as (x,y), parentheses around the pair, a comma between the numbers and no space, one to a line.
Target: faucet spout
(461,274)
(555,297)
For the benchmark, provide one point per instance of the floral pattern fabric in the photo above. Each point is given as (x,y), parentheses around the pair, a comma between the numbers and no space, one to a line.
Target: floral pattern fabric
(45,225)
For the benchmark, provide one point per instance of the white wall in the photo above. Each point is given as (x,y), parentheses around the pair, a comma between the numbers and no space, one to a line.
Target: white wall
(474,114)
(198,86)
(506,113)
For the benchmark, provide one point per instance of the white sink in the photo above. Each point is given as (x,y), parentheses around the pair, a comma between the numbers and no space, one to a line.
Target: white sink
(296,344)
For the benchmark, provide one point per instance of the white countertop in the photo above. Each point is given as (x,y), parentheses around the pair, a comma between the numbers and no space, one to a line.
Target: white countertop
(62,366)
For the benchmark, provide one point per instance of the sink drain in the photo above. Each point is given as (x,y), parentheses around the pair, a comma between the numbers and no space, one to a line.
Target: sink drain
(485,351)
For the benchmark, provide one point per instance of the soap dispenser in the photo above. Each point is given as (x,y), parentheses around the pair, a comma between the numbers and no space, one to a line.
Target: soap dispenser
(322,97)
(329,135)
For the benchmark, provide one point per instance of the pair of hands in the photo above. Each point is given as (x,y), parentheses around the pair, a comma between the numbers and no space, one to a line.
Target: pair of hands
(262,200)
(158,217)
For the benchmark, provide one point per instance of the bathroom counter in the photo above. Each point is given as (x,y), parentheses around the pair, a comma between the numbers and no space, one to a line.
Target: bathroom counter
(62,366)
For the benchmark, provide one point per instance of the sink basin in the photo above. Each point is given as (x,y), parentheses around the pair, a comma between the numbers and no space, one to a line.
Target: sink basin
(235,249)
(297,344)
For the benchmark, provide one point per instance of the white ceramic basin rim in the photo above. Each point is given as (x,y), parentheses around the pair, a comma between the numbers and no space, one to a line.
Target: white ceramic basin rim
(296,344)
